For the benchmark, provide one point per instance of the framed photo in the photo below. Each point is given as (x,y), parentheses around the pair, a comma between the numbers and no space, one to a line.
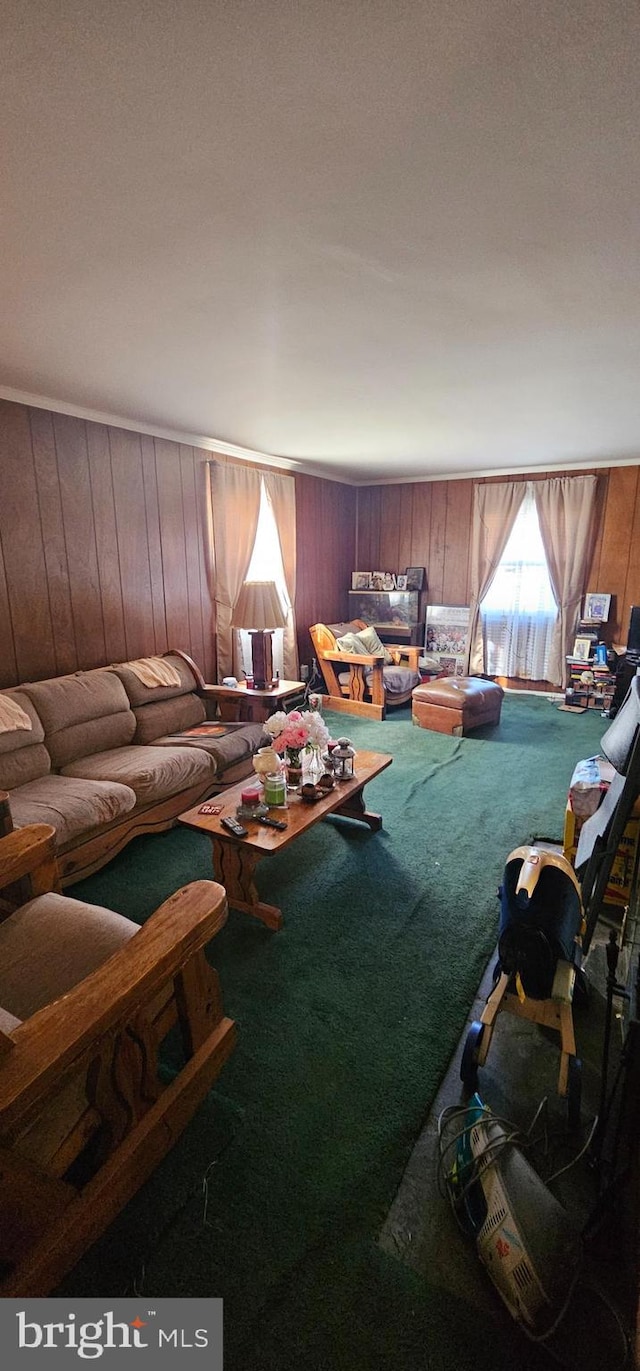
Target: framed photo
(401,583)
(382,580)
(446,630)
(415,577)
(582,649)
(596,606)
(360,580)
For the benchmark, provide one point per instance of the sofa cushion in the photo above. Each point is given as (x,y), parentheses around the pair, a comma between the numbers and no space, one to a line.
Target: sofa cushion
(152,772)
(140,694)
(23,756)
(237,744)
(50,944)
(82,714)
(167,716)
(73,806)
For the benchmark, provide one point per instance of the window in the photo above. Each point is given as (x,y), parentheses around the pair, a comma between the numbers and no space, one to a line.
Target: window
(519,611)
(266,565)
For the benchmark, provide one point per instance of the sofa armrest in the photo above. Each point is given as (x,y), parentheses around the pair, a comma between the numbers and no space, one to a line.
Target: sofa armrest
(193,666)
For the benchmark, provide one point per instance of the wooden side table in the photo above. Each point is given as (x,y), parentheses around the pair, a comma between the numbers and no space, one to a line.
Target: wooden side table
(245,704)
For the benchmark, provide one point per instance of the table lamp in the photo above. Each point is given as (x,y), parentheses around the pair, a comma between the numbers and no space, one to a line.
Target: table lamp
(259,610)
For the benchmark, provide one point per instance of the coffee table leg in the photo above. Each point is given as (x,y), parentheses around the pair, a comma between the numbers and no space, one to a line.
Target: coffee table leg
(353,808)
(234,867)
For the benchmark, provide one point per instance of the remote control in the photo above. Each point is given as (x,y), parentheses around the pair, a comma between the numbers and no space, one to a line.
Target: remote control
(234,827)
(270,823)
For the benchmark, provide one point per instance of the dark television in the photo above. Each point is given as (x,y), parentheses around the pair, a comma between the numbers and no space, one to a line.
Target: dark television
(633,636)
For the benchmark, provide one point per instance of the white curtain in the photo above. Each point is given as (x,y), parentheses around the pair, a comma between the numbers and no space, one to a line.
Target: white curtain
(495,507)
(519,612)
(566,509)
(281,491)
(235,492)
(235,503)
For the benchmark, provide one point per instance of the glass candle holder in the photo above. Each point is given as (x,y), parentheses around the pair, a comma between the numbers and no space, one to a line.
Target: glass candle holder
(275,788)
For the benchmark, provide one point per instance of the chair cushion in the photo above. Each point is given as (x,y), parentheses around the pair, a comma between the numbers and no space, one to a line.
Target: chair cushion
(365,641)
(73,806)
(50,944)
(351,642)
(397,680)
(152,772)
(372,644)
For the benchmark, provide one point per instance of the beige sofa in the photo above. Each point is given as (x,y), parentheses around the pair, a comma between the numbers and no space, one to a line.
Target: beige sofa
(101,761)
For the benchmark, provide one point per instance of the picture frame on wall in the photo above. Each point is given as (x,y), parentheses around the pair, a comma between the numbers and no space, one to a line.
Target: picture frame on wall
(596,606)
(415,577)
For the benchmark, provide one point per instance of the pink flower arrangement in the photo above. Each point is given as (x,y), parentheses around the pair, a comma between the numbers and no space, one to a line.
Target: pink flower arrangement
(294,731)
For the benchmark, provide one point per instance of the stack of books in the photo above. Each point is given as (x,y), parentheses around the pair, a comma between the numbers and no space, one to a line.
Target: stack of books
(590,684)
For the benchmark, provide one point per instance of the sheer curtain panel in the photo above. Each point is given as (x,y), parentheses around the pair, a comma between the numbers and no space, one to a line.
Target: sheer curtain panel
(235,503)
(519,612)
(281,491)
(567,511)
(495,507)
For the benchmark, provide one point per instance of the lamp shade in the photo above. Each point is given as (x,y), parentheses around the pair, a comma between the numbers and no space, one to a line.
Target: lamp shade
(259,606)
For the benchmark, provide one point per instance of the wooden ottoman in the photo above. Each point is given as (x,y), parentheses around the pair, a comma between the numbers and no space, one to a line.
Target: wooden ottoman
(456,704)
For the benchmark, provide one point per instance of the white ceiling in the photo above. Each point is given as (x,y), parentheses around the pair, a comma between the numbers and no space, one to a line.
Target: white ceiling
(384,238)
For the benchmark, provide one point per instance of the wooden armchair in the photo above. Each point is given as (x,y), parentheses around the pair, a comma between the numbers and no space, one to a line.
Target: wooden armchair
(358,683)
(86,998)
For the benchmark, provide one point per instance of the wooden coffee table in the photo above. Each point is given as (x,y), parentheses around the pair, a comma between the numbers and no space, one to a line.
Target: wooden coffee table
(235,859)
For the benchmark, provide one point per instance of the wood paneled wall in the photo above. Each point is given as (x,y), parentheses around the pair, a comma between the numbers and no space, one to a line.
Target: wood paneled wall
(104,548)
(104,556)
(326,527)
(428,523)
(101,546)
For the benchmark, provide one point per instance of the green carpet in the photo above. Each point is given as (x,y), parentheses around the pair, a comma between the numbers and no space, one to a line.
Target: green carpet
(346,1020)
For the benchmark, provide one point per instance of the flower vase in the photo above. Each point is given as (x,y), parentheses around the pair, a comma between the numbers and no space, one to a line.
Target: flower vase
(312,764)
(293,767)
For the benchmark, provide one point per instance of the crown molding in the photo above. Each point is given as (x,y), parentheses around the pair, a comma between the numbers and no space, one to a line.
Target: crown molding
(214,445)
(324,473)
(575,468)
